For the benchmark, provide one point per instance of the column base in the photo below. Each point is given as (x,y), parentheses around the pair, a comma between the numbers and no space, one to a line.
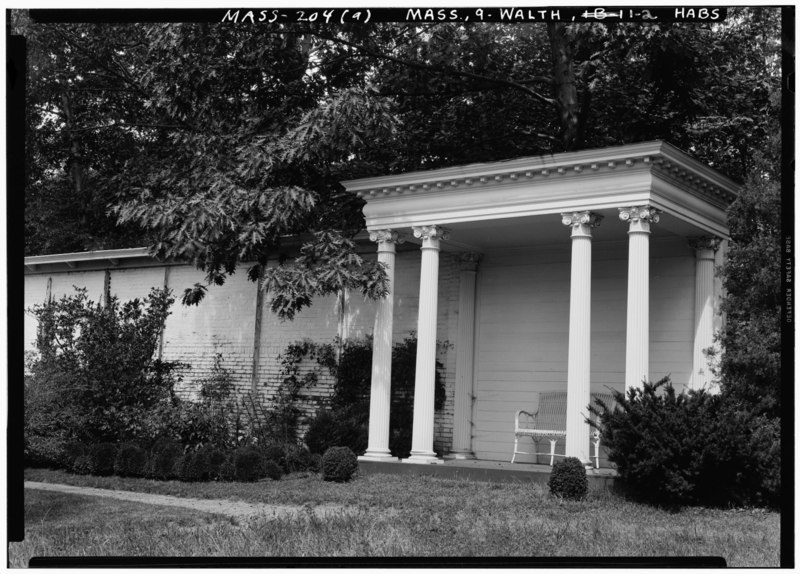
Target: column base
(378,457)
(460,456)
(423,458)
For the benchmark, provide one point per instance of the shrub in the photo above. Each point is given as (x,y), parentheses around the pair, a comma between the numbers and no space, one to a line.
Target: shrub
(163,457)
(83,465)
(568,479)
(272,470)
(675,449)
(94,376)
(214,459)
(103,456)
(345,427)
(196,466)
(298,459)
(227,470)
(277,455)
(339,464)
(131,460)
(43,451)
(248,463)
(70,451)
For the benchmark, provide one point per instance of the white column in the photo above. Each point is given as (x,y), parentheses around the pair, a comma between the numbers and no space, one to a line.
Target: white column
(705,248)
(637,343)
(381,390)
(579,350)
(465,347)
(425,377)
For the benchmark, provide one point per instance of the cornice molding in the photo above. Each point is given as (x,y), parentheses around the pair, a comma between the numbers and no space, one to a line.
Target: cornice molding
(659,158)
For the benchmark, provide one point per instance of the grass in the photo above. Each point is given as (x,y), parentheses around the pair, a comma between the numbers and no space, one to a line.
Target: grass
(431,517)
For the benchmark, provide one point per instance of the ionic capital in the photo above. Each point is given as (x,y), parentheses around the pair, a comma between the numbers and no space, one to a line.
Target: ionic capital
(468,261)
(431,232)
(704,244)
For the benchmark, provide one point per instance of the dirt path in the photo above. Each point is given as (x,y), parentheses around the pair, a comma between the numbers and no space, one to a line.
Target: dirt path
(235,508)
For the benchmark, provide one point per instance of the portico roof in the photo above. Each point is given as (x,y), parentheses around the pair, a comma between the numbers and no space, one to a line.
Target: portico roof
(692,196)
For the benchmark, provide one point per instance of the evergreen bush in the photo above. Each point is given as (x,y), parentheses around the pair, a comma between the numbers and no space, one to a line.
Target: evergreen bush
(103,456)
(276,454)
(299,459)
(272,470)
(83,464)
(131,460)
(676,449)
(339,464)
(568,479)
(248,463)
(214,459)
(163,457)
(227,470)
(70,451)
(195,466)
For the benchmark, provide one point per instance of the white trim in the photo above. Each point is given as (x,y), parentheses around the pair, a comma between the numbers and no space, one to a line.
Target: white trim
(579,181)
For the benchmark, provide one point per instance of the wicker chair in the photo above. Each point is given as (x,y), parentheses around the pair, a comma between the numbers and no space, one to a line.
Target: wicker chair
(549,421)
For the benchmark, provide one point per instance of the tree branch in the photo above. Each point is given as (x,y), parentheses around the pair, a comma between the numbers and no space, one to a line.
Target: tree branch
(439,69)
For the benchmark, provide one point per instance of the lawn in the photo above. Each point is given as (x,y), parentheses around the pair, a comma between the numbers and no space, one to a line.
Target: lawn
(387,516)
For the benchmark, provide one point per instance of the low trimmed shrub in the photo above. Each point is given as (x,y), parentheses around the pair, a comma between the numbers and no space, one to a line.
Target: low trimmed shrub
(272,470)
(339,464)
(70,451)
(131,460)
(103,455)
(214,459)
(163,457)
(568,479)
(277,455)
(299,459)
(227,470)
(193,467)
(248,463)
(83,464)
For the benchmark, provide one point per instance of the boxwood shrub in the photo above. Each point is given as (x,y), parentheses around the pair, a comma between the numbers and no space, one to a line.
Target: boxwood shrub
(568,479)
(103,456)
(339,464)
(248,464)
(131,460)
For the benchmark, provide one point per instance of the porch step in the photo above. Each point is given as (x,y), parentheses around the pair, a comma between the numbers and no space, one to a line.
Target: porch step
(599,480)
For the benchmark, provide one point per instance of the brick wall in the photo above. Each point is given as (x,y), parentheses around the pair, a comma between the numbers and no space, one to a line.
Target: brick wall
(224,324)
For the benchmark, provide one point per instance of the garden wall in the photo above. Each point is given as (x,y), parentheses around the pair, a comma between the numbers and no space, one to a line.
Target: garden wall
(224,323)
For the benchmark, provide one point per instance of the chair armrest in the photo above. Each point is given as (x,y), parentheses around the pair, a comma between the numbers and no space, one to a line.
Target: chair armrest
(529,414)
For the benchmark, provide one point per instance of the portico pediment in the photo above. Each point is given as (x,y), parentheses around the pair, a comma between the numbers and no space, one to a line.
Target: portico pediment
(654,173)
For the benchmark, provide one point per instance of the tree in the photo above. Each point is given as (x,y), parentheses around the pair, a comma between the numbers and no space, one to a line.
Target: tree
(237,137)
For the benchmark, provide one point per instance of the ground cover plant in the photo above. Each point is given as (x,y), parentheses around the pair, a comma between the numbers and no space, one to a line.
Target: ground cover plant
(385,516)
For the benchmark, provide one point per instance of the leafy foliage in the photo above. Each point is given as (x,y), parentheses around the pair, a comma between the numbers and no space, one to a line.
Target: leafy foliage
(83,346)
(347,421)
(217,158)
(674,448)
(339,464)
(568,479)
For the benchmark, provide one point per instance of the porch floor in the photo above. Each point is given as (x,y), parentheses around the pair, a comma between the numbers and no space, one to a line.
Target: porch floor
(487,470)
